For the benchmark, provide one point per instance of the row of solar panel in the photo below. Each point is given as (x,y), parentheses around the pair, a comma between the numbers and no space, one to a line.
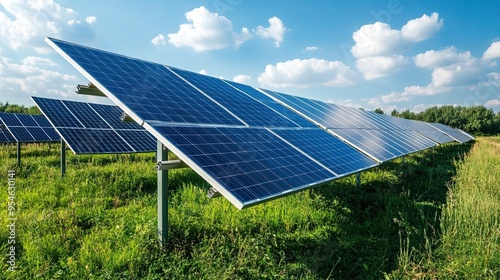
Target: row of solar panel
(251,145)
(94,128)
(26,128)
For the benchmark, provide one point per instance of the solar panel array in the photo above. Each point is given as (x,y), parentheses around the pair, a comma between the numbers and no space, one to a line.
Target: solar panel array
(251,145)
(26,128)
(94,128)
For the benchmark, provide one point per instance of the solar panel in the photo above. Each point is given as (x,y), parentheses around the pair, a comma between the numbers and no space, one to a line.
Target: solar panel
(453,133)
(328,150)
(251,165)
(95,129)
(252,145)
(27,128)
(5,136)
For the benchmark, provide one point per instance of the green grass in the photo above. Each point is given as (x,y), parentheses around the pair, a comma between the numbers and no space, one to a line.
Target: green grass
(99,222)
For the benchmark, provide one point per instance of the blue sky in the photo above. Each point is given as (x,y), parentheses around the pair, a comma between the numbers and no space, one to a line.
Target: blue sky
(391,54)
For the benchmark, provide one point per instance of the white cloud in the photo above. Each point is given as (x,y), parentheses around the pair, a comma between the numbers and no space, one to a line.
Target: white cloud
(203,72)
(444,57)
(243,79)
(492,102)
(27,77)
(379,66)
(25,23)
(91,19)
(493,51)
(207,31)
(275,31)
(158,40)
(311,48)
(377,46)
(422,28)
(306,73)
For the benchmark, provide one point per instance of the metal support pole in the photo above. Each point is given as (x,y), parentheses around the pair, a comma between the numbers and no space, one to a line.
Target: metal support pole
(358,179)
(63,158)
(18,154)
(162,175)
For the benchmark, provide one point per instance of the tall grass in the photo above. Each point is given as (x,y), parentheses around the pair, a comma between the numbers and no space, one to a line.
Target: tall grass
(99,222)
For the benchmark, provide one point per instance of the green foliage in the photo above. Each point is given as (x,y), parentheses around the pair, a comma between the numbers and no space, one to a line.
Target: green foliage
(379,111)
(99,222)
(475,119)
(13,108)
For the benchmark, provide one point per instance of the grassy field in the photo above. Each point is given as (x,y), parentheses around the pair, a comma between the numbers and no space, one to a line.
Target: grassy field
(435,216)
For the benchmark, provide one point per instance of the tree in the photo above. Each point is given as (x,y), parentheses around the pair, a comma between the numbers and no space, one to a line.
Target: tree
(379,111)
(394,113)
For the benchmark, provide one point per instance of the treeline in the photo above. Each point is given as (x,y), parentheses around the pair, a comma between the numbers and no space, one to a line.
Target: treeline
(14,108)
(477,120)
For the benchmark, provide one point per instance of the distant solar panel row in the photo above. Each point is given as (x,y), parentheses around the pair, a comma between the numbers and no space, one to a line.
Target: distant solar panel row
(249,144)
(94,128)
(26,128)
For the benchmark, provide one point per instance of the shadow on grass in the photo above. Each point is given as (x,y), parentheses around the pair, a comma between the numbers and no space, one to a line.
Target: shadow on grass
(395,211)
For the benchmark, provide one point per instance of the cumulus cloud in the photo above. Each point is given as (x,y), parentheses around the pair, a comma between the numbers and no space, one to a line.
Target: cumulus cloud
(379,43)
(311,48)
(203,72)
(306,73)
(492,103)
(29,77)
(91,19)
(207,31)
(158,40)
(275,31)
(492,52)
(243,79)
(25,23)
(374,67)
(441,58)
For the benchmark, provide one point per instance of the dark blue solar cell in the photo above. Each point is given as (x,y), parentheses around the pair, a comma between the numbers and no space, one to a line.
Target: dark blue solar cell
(327,149)
(41,121)
(112,115)
(289,114)
(5,136)
(455,134)
(94,141)
(52,133)
(251,164)
(26,120)
(10,119)
(437,136)
(85,114)
(39,134)
(368,143)
(251,111)
(21,134)
(56,112)
(140,140)
(148,89)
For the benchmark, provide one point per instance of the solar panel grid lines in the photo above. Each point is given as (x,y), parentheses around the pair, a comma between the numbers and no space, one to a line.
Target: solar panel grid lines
(5,136)
(94,132)
(326,149)
(282,111)
(27,128)
(151,90)
(250,164)
(453,133)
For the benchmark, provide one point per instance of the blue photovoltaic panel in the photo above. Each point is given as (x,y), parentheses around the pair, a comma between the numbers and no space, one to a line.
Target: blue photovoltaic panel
(251,111)
(99,121)
(373,146)
(251,164)
(284,111)
(327,149)
(21,134)
(59,115)
(94,141)
(28,128)
(467,134)
(85,115)
(455,134)
(437,136)
(140,140)
(26,120)
(5,136)
(150,90)
(112,115)
(10,119)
